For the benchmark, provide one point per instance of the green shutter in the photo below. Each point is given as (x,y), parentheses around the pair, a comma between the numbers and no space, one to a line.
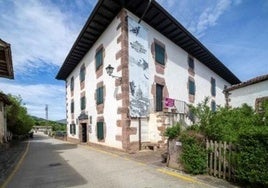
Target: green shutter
(83,103)
(100,131)
(191,87)
(82,73)
(159,54)
(213,87)
(98,59)
(100,95)
(72,107)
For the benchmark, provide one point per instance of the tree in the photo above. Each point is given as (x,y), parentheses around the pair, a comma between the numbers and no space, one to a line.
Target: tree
(18,120)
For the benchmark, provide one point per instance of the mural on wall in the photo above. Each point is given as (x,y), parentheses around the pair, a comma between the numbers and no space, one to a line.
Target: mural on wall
(138,69)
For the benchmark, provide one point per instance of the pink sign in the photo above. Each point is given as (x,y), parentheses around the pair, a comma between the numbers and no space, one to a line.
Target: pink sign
(169,102)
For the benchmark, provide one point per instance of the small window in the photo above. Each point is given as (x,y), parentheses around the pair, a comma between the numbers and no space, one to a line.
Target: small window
(191,62)
(191,87)
(100,131)
(82,73)
(213,106)
(72,129)
(72,107)
(159,54)
(83,103)
(213,87)
(159,98)
(99,94)
(72,84)
(99,58)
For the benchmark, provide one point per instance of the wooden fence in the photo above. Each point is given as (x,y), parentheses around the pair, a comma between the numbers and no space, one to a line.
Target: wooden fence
(219,159)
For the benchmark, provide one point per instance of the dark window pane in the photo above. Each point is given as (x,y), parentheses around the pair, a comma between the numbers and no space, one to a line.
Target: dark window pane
(159,54)
(213,106)
(72,107)
(213,87)
(100,95)
(191,62)
(99,58)
(159,98)
(83,103)
(82,73)
(72,84)
(100,131)
(191,87)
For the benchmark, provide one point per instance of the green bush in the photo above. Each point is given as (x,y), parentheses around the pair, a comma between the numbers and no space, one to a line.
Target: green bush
(173,132)
(252,157)
(194,154)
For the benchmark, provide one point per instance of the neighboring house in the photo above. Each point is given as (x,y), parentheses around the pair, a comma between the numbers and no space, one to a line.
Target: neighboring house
(251,92)
(6,71)
(159,68)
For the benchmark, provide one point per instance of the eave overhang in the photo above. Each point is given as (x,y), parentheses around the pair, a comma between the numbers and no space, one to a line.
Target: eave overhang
(157,17)
(6,66)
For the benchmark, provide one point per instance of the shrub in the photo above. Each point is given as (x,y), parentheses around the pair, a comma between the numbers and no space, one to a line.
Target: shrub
(252,159)
(173,132)
(194,154)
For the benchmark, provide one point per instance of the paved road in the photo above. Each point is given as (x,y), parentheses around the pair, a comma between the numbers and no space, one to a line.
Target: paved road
(54,163)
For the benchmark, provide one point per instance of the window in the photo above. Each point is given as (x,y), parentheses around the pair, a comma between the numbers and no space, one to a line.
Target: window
(72,107)
(72,129)
(99,58)
(213,87)
(72,84)
(83,103)
(82,73)
(100,131)
(191,87)
(159,54)
(99,95)
(159,98)
(213,106)
(191,62)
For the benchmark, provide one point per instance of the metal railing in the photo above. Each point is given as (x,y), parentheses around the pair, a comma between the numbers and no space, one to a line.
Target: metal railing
(180,107)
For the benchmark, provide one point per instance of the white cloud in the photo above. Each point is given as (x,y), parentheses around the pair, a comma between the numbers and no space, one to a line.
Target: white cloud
(37,30)
(37,96)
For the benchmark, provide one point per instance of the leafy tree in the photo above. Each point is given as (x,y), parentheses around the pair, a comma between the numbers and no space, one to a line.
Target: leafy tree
(18,120)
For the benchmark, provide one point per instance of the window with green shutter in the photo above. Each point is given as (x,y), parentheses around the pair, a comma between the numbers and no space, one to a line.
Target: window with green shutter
(82,73)
(72,107)
(191,87)
(72,129)
(100,131)
(99,58)
(159,54)
(213,106)
(213,87)
(72,84)
(191,62)
(83,103)
(99,94)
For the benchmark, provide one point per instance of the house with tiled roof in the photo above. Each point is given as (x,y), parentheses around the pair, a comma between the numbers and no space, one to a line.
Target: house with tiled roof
(132,72)
(6,71)
(252,92)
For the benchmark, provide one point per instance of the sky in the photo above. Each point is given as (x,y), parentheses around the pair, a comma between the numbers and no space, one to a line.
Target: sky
(42,32)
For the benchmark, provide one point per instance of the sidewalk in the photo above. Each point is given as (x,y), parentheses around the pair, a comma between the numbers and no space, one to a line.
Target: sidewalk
(9,156)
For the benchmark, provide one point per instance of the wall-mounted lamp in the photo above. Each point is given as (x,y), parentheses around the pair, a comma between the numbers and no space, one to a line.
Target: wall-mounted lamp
(109,70)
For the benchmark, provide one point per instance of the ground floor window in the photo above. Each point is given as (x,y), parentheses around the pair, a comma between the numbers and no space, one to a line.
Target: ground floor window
(72,129)
(100,131)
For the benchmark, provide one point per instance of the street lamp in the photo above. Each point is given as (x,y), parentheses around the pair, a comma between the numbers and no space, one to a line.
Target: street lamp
(109,70)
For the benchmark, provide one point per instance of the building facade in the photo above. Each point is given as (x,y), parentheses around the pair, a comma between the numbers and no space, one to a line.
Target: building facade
(159,68)
(6,71)
(252,92)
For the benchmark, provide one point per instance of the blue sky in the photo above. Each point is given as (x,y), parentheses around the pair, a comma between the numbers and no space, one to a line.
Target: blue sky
(41,33)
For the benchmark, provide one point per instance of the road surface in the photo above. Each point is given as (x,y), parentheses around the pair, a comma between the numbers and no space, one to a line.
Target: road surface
(52,163)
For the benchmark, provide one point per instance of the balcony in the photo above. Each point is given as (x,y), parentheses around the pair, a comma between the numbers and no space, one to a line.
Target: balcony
(169,105)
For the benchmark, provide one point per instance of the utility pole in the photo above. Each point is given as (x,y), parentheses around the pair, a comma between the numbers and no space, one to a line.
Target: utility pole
(46,109)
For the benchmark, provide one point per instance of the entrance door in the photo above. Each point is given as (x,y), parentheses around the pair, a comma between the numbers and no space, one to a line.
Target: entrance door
(159,98)
(84,132)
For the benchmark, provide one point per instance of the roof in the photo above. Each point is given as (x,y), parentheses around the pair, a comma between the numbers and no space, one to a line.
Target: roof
(4,98)
(157,17)
(248,82)
(6,67)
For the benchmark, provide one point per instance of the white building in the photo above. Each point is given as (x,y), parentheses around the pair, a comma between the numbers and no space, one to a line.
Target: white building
(159,68)
(251,92)
(6,71)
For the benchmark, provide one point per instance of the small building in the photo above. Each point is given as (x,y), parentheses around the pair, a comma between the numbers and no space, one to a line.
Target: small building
(6,71)
(252,92)
(155,68)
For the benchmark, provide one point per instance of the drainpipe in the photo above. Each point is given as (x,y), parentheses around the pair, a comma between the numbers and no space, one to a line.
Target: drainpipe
(145,11)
